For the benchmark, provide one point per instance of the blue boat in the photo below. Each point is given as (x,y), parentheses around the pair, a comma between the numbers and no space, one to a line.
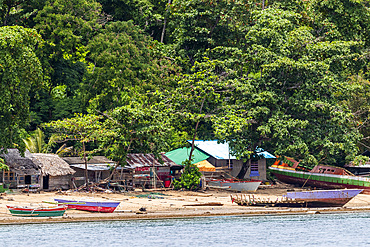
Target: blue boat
(312,198)
(92,206)
(324,198)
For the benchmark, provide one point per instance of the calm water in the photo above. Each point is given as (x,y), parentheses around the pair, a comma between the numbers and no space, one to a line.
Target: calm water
(351,229)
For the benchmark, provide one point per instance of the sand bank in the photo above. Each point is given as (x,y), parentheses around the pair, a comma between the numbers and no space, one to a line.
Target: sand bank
(167,204)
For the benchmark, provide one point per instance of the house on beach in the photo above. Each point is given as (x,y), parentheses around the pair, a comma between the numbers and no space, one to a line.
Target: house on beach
(98,168)
(150,172)
(23,172)
(55,172)
(222,159)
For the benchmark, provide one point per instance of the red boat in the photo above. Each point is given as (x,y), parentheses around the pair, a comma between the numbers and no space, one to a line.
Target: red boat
(101,207)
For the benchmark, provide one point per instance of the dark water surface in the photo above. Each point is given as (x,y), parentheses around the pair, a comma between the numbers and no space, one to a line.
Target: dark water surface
(347,229)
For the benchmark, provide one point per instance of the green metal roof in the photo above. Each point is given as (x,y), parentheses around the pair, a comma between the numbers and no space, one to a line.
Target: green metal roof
(181,154)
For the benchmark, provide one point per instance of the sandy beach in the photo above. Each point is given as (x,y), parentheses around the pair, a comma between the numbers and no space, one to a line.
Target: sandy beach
(162,204)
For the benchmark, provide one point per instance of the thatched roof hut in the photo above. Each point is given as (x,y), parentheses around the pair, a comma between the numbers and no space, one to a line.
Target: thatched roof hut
(20,165)
(51,164)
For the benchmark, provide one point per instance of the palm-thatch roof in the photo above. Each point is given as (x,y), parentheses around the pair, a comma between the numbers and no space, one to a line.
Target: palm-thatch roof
(51,164)
(19,164)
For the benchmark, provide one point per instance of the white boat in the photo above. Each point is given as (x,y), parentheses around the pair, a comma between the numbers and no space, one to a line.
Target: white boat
(236,185)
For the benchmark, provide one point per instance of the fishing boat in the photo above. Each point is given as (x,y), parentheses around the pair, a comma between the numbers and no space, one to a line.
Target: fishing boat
(236,185)
(38,211)
(321,176)
(314,198)
(92,206)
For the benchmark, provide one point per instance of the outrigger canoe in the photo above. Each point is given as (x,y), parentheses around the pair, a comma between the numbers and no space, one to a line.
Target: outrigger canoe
(37,212)
(92,206)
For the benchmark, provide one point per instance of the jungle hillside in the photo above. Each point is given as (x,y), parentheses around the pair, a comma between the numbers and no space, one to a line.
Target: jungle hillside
(144,76)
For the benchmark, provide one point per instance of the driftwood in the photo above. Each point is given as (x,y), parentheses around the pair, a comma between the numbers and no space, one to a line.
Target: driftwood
(206,204)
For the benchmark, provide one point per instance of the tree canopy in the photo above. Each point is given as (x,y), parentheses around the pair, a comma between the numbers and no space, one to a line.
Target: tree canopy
(289,76)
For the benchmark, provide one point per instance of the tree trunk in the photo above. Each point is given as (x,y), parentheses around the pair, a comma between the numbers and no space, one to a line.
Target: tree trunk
(115,168)
(244,169)
(86,171)
(164,23)
(195,131)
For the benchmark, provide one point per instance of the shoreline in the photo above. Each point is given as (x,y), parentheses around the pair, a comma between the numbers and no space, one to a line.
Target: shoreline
(164,205)
(76,218)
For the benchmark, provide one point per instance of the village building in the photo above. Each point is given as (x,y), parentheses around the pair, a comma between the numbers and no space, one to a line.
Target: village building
(150,172)
(223,160)
(55,172)
(98,168)
(22,173)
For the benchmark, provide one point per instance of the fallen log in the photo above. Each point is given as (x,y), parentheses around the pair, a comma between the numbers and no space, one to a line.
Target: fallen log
(206,204)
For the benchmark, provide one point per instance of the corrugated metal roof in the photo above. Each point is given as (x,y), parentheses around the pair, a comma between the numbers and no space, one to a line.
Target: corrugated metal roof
(266,155)
(97,160)
(222,150)
(217,150)
(351,164)
(92,167)
(144,160)
(96,167)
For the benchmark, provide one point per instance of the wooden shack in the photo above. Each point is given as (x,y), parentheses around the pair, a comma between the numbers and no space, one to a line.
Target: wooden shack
(55,172)
(150,172)
(23,172)
(99,168)
(221,157)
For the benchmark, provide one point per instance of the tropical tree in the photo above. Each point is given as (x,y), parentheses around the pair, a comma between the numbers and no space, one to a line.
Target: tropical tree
(190,177)
(137,128)
(200,97)
(125,67)
(35,143)
(292,98)
(67,27)
(83,128)
(20,70)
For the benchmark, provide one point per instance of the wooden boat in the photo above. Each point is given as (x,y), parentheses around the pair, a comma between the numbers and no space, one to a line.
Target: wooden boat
(236,185)
(314,198)
(92,206)
(37,212)
(321,176)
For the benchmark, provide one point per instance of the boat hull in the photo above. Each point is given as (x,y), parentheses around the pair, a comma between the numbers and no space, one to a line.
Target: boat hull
(306,199)
(101,207)
(320,180)
(236,185)
(324,198)
(37,212)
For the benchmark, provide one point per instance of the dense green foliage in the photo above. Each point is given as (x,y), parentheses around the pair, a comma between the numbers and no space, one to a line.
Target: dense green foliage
(190,178)
(20,70)
(290,76)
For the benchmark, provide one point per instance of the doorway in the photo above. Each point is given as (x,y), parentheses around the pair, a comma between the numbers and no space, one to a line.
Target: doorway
(45,182)
(27,179)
